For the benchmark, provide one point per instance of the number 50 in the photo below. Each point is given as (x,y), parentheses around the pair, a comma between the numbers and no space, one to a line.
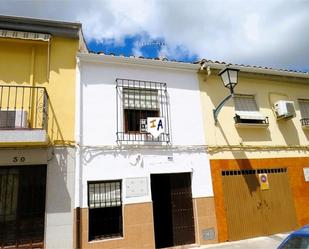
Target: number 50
(17,159)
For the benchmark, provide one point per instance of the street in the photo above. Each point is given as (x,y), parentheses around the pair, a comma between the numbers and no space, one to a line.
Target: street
(270,242)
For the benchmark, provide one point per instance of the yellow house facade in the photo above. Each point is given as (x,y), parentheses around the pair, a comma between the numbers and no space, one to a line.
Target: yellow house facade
(37,113)
(258,149)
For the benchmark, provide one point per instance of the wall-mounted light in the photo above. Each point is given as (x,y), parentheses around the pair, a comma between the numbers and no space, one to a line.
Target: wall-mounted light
(229,77)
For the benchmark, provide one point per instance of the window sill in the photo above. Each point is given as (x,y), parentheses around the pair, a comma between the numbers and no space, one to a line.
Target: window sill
(101,240)
(251,125)
(138,138)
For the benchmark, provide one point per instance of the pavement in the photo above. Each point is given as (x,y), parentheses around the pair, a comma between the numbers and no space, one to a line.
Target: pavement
(269,242)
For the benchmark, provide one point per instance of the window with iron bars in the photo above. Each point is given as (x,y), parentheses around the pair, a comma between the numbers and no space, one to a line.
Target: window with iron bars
(138,100)
(105,209)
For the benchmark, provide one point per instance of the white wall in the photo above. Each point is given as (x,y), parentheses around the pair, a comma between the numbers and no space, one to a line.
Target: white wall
(99,156)
(110,165)
(60,199)
(99,101)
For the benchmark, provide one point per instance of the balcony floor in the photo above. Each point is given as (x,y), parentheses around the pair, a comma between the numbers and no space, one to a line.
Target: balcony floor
(23,136)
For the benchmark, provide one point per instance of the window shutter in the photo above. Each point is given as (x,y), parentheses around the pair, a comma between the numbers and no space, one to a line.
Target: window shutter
(146,99)
(246,107)
(304,108)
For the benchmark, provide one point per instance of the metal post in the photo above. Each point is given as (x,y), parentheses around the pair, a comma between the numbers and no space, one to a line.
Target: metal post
(219,107)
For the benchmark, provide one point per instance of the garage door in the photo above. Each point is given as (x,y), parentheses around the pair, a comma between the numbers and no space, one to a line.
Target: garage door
(254,208)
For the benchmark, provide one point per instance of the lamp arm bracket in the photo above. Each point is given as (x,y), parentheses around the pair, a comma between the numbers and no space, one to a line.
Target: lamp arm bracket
(219,107)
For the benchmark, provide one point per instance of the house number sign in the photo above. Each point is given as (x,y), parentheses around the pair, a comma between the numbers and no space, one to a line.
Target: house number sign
(18,159)
(23,157)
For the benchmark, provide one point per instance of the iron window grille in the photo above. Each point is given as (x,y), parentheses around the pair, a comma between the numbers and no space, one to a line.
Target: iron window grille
(104,194)
(304,111)
(247,111)
(138,100)
(105,209)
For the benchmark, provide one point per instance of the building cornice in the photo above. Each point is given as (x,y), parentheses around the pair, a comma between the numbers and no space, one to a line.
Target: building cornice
(111,59)
(56,28)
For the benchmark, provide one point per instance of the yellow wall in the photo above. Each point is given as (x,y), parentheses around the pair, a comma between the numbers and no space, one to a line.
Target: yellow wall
(25,63)
(286,136)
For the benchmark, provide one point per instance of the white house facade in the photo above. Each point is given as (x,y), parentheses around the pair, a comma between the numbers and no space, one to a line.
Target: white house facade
(142,173)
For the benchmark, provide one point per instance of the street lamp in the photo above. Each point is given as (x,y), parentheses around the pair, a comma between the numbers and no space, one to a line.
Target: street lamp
(229,78)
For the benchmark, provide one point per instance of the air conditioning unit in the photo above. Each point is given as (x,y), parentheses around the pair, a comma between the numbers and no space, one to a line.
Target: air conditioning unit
(13,119)
(284,109)
(143,125)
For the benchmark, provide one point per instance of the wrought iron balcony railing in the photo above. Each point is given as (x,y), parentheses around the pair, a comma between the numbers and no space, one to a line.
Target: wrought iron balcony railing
(304,121)
(23,107)
(252,121)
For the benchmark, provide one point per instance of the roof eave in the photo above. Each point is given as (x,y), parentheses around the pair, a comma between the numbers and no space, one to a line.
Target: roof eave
(56,28)
(111,59)
(257,70)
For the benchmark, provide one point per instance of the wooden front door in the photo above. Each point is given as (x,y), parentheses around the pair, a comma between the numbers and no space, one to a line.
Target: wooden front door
(252,211)
(172,209)
(182,209)
(22,206)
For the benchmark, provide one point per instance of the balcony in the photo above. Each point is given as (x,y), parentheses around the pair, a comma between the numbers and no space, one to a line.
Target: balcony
(23,115)
(305,123)
(251,121)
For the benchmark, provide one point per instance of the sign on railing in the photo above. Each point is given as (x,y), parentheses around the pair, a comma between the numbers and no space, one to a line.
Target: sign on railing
(156,126)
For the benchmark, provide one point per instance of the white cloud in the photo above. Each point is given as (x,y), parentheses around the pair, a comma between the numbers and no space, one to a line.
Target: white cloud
(269,33)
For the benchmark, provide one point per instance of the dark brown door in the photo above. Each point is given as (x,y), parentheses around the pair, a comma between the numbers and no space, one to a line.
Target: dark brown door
(172,209)
(22,206)
(182,209)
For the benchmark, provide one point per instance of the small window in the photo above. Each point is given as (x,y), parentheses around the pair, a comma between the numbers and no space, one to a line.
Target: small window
(247,111)
(139,104)
(304,111)
(105,209)
(136,101)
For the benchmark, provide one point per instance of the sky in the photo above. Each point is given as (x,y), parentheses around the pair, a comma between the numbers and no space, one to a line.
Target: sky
(269,33)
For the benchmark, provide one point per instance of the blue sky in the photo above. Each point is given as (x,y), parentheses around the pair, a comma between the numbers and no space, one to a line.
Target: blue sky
(251,32)
(149,49)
